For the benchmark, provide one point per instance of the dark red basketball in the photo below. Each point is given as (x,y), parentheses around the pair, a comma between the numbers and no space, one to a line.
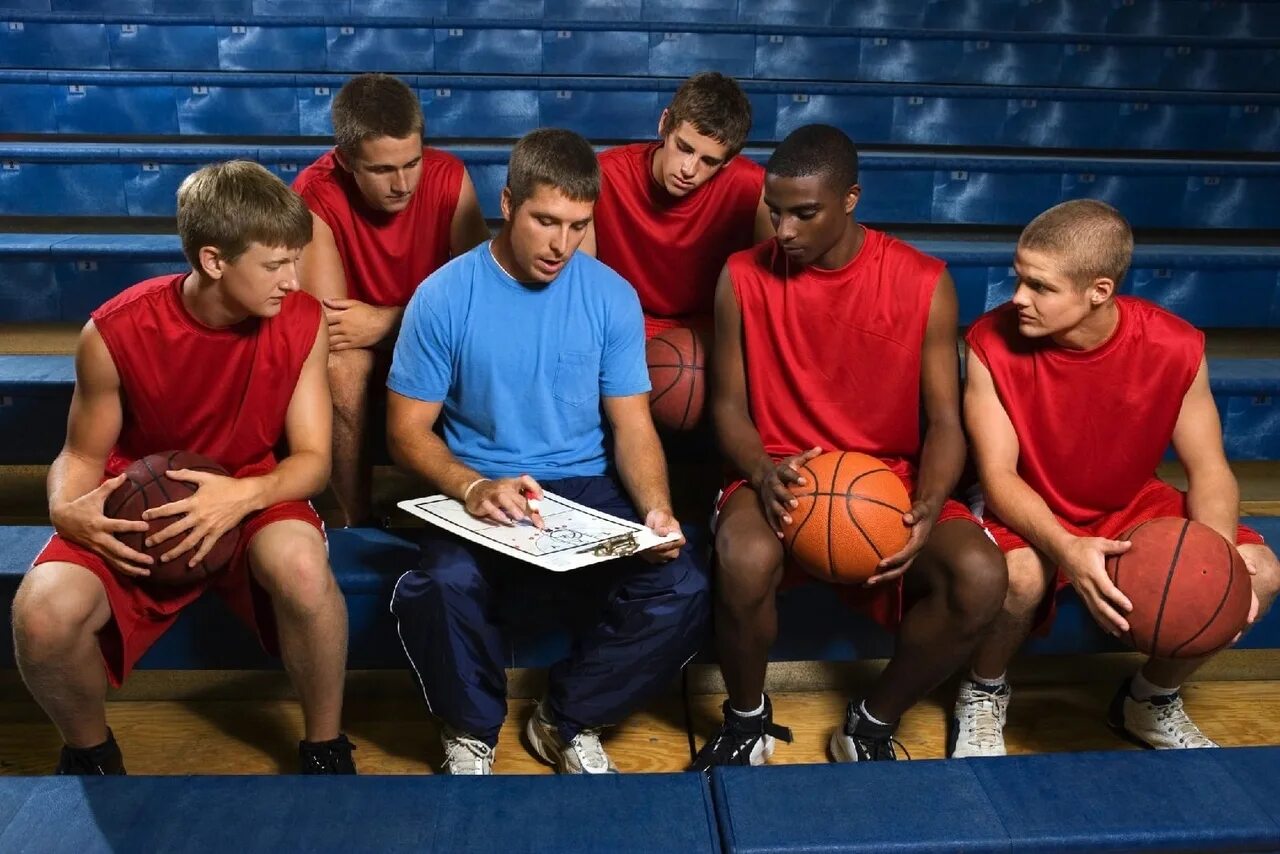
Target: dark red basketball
(146,486)
(677,358)
(848,518)
(1189,588)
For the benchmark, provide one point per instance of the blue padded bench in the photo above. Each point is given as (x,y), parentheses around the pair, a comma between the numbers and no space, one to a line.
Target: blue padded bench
(1178,800)
(102,179)
(420,814)
(610,108)
(1155,17)
(767,51)
(62,277)
(814,625)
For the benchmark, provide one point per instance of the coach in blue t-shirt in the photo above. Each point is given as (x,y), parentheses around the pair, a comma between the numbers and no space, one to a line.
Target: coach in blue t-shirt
(523,348)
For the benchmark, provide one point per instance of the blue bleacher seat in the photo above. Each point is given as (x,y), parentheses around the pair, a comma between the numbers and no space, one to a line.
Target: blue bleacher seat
(480,111)
(46,44)
(604,115)
(472,49)
(583,51)
(593,10)
(389,49)
(421,9)
(803,57)
(220,105)
(679,53)
(428,814)
(804,13)
(271,48)
(704,11)
(115,103)
(146,47)
(29,103)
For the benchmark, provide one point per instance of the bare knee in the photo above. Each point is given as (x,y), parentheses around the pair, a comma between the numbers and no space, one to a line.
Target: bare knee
(1028,581)
(748,567)
(297,577)
(1266,578)
(974,580)
(56,607)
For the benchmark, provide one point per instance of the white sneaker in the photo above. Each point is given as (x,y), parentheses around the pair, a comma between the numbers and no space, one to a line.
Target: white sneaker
(977,724)
(583,755)
(1160,722)
(465,755)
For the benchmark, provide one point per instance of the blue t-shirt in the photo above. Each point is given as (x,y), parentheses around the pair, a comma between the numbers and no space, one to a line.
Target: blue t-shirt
(521,370)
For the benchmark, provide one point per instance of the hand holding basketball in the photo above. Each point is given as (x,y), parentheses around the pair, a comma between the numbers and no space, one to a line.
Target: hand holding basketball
(84,521)
(503,501)
(661,522)
(921,518)
(1084,563)
(218,504)
(771,484)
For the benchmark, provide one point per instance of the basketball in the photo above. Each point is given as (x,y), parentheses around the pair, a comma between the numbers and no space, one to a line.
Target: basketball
(676,360)
(849,517)
(146,486)
(1189,588)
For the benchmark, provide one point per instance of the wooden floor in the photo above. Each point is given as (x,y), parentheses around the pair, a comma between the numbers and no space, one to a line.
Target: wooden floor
(394,736)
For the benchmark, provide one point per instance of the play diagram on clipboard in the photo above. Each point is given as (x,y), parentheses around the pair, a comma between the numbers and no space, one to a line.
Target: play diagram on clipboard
(575,536)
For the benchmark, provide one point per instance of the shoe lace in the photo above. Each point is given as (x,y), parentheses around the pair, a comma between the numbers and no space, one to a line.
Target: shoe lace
(980,714)
(1174,719)
(590,752)
(876,749)
(468,753)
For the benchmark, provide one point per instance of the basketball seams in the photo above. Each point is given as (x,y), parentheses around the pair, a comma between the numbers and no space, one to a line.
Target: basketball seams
(1168,583)
(813,505)
(831,551)
(1222,603)
(1115,578)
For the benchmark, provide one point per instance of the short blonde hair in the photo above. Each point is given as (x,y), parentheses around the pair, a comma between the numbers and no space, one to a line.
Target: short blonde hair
(1091,239)
(231,205)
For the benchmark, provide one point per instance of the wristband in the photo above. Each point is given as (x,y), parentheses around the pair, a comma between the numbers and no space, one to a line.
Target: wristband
(466,493)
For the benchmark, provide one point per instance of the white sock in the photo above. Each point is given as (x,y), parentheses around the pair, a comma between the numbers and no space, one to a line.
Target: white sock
(994,684)
(867,716)
(759,710)
(1141,688)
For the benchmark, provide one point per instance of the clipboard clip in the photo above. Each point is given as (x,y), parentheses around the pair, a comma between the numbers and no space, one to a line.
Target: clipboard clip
(617,546)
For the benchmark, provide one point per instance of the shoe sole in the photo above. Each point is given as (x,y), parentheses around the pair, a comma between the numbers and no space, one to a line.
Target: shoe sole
(537,747)
(835,749)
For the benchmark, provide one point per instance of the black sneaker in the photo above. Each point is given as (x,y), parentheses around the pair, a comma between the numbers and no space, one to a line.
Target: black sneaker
(741,740)
(99,761)
(860,740)
(326,757)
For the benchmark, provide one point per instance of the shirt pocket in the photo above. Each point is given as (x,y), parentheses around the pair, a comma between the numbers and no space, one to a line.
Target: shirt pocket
(577,379)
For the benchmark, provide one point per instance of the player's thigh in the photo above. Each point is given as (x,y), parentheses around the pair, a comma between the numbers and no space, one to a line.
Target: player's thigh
(288,558)
(749,555)
(58,601)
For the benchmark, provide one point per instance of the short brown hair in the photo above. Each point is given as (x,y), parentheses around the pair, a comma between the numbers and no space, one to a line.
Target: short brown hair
(231,205)
(1091,238)
(716,107)
(553,157)
(374,105)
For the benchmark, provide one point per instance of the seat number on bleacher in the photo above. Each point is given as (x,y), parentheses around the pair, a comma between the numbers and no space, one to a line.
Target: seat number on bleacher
(564,95)
(11,166)
(776,39)
(239,29)
(287,167)
(199,90)
(563,34)
(455,32)
(444,93)
(915,101)
(1212,181)
(670,37)
(1086,177)
(800,98)
(1162,273)
(150,167)
(959,175)
(1262,400)
(346,31)
(128,29)
(15,26)
(86,266)
(322,90)
(879,41)
(75,89)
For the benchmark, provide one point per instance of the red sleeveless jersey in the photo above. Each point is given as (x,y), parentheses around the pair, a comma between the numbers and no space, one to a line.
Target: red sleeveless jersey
(222,393)
(833,356)
(672,249)
(1092,425)
(385,256)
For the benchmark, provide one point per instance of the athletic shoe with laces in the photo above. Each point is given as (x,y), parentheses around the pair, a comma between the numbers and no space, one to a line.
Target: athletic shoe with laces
(742,740)
(326,757)
(103,760)
(977,724)
(465,755)
(1160,723)
(860,740)
(583,754)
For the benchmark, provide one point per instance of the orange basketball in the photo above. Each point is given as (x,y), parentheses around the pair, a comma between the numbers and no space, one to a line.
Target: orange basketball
(676,360)
(849,517)
(1189,588)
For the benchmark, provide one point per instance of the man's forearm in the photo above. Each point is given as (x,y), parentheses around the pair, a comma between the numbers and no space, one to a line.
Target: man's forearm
(740,442)
(1213,499)
(70,477)
(941,463)
(298,477)
(427,456)
(642,468)
(1023,510)
(392,315)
